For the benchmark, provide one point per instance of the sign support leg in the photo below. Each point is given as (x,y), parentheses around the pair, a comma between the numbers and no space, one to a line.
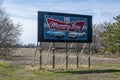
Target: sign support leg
(53,52)
(77,57)
(66,55)
(89,56)
(40,55)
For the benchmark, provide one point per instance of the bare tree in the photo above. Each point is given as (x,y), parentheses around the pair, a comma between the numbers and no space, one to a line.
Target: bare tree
(9,32)
(96,44)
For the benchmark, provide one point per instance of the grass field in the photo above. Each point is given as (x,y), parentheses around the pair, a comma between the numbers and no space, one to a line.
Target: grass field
(18,67)
(15,72)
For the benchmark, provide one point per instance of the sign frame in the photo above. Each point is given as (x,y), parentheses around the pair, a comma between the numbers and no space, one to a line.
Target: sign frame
(42,33)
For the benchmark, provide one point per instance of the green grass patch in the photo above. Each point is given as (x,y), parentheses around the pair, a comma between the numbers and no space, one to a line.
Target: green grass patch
(8,71)
(3,65)
(51,73)
(107,65)
(116,73)
(45,73)
(91,71)
(15,72)
(5,69)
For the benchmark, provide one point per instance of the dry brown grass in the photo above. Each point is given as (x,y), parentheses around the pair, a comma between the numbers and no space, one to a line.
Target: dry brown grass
(25,56)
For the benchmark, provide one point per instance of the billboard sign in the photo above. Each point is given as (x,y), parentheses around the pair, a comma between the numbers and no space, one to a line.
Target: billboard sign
(64,27)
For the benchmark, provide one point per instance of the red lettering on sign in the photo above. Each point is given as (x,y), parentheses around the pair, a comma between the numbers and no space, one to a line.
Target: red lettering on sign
(62,26)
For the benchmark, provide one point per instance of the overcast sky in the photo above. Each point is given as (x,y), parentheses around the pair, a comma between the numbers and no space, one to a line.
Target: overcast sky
(25,12)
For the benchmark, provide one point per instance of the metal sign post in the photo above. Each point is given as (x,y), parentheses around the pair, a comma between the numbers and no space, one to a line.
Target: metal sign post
(40,55)
(77,57)
(89,55)
(53,52)
(66,55)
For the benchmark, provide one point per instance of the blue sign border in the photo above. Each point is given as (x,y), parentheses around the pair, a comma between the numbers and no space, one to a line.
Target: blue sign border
(47,35)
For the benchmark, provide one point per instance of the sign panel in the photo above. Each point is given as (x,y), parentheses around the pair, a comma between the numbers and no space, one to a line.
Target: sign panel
(64,27)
